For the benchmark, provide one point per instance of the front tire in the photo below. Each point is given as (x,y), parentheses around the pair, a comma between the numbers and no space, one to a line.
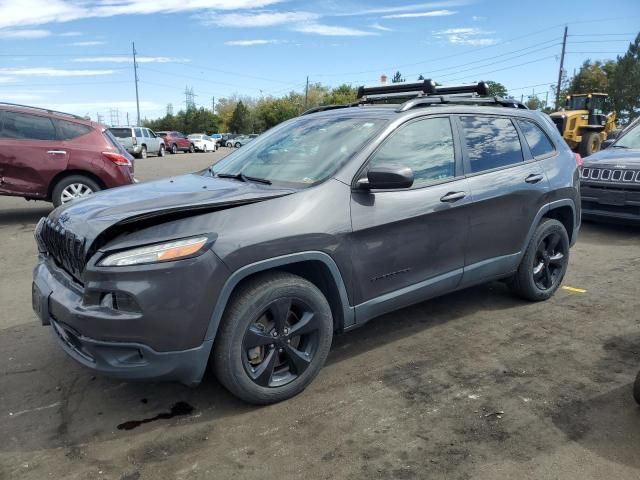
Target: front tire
(71,188)
(204,149)
(590,143)
(544,263)
(238,145)
(174,149)
(161,151)
(274,337)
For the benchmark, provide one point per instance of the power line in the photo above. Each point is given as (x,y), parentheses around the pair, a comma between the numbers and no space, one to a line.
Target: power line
(504,68)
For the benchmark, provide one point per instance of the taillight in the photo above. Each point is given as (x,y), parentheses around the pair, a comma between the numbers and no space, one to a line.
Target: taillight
(117,159)
(579,160)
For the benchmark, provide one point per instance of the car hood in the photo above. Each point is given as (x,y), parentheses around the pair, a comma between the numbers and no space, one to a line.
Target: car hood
(183,195)
(614,157)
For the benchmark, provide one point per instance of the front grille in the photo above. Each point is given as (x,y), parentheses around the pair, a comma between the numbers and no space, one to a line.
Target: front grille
(611,175)
(64,247)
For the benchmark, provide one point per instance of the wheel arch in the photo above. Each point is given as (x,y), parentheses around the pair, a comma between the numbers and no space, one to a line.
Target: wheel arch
(68,173)
(562,210)
(317,267)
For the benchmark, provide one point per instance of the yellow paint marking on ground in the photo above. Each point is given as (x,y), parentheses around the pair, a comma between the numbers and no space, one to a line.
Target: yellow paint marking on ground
(574,289)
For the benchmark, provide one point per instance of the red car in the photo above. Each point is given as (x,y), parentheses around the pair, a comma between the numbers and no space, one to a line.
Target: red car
(55,156)
(175,141)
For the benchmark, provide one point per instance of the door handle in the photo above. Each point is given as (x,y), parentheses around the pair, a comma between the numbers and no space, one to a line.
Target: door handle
(534,178)
(57,152)
(453,197)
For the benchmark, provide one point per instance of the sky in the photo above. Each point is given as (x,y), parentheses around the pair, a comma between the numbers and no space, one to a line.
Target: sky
(76,55)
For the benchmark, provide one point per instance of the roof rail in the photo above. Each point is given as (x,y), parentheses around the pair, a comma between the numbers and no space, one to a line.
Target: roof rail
(78,117)
(323,108)
(424,87)
(457,100)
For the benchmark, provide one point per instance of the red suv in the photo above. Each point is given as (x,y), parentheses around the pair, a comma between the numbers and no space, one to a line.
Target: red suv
(55,156)
(175,141)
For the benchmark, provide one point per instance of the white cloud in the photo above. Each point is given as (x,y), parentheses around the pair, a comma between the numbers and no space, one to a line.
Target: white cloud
(6,79)
(431,13)
(70,34)
(474,37)
(89,43)
(39,12)
(477,18)
(382,28)
(23,34)
(249,43)
(128,59)
(407,8)
(262,19)
(52,72)
(331,30)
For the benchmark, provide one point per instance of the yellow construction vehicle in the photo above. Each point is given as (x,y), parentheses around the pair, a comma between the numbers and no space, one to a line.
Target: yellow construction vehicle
(586,122)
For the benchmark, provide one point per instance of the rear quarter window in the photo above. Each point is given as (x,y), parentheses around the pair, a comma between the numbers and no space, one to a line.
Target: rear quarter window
(121,132)
(71,130)
(538,141)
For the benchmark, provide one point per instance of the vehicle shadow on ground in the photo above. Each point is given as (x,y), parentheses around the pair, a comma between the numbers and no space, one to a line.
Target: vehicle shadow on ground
(89,407)
(24,216)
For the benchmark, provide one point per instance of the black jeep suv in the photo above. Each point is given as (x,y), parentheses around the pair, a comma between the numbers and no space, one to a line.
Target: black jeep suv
(611,180)
(320,224)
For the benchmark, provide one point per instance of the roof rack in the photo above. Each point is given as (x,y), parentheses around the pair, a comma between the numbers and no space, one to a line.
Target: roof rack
(78,117)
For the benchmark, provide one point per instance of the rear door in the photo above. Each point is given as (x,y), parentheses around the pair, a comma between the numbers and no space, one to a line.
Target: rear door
(30,154)
(508,187)
(403,238)
(153,145)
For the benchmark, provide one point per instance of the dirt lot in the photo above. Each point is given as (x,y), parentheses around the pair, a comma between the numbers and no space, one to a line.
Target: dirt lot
(476,384)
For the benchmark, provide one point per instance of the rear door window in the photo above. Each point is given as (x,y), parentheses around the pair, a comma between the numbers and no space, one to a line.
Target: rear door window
(71,130)
(491,142)
(538,142)
(23,126)
(138,132)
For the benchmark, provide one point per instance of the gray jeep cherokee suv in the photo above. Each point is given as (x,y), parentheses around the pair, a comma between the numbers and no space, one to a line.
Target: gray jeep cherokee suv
(320,224)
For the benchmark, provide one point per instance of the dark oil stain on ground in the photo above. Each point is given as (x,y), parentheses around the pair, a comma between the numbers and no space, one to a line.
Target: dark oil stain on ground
(179,409)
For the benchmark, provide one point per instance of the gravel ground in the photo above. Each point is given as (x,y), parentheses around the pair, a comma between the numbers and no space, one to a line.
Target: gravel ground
(476,384)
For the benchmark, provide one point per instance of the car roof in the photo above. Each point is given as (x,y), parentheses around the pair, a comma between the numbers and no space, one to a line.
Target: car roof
(14,107)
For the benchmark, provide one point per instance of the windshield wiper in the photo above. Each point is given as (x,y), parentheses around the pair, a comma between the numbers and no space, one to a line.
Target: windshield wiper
(619,146)
(243,178)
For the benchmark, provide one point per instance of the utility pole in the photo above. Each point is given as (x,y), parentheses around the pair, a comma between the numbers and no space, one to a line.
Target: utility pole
(306,93)
(135,75)
(213,104)
(128,119)
(189,98)
(560,72)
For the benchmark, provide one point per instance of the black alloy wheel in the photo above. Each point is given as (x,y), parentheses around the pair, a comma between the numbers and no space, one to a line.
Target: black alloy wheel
(280,344)
(550,261)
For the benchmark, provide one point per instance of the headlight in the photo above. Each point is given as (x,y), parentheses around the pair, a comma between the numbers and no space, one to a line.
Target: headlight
(162,252)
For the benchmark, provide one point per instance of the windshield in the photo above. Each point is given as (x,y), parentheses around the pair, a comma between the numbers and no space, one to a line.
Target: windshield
(302,152)
(631,139)
(121,132)
(577,103)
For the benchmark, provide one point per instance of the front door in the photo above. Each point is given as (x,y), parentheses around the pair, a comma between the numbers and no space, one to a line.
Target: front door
(408,244)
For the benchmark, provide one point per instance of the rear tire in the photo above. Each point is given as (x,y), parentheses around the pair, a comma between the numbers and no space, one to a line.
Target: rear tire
(191,148)
(143,152)
(274,337)
(204,149)
(544,263)
(174,149)
(161,151)
(590,143)
(238,145)
(71,187)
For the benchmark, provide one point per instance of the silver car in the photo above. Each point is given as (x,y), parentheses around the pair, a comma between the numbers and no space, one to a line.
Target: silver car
(240,140)
(139,141)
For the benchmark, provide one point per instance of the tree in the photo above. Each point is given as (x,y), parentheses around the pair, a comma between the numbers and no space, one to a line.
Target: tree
(497,89)
(241,119)
(592,77)
(624,85)
(420,77)
(341,95)
(397,78)
(534,103)
(193,120)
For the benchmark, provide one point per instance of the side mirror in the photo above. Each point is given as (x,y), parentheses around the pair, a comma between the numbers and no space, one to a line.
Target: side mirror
(387,177)
(607,143)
